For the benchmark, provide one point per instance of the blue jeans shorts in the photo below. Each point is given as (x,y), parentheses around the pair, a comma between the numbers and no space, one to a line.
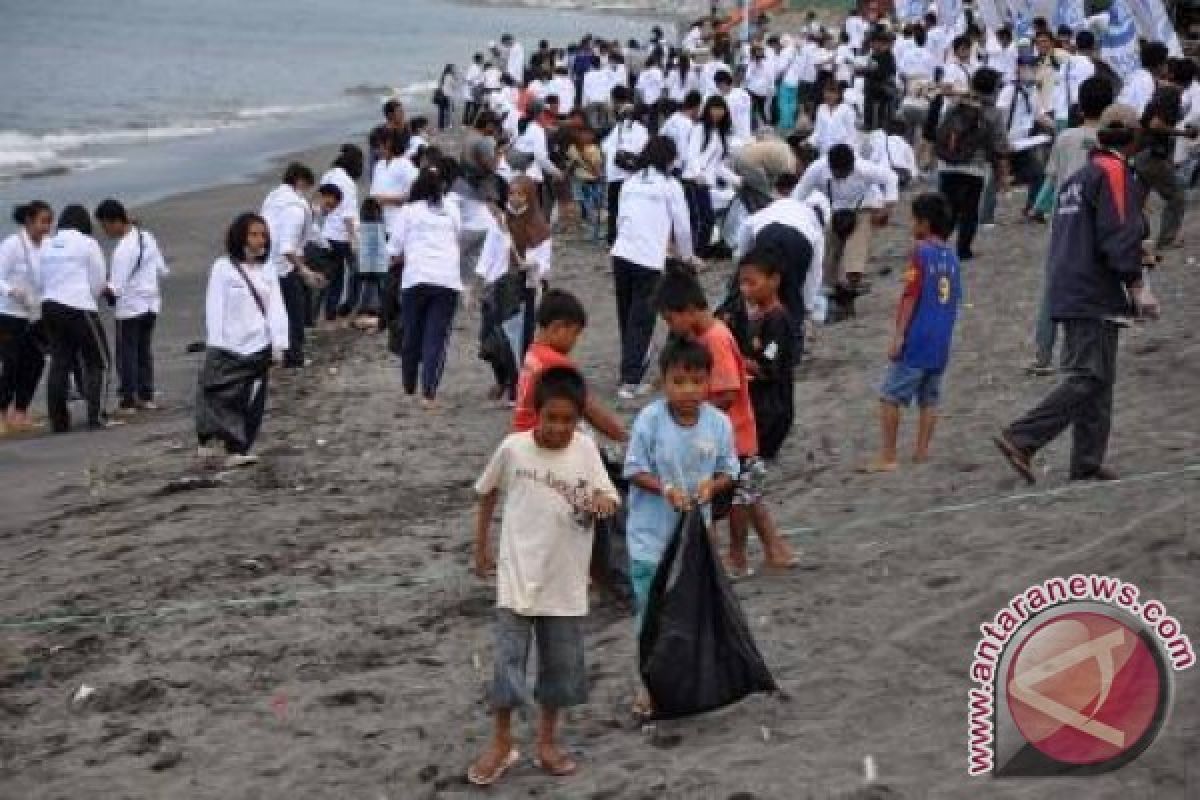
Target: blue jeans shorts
(903,384)
(561,672)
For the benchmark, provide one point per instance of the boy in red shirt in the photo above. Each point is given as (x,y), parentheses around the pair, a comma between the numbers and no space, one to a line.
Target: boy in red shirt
(681,302)
(560,322)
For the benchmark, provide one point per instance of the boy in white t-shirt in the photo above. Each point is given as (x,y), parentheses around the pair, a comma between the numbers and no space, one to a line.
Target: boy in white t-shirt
(555,485)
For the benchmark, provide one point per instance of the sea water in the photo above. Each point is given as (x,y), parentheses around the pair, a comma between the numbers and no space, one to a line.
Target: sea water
(139,99)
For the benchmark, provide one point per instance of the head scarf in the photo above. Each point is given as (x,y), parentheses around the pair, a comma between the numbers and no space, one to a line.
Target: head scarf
(528,229)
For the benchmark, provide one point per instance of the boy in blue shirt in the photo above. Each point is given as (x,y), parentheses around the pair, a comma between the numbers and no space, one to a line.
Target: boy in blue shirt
(681,452)
(920,346)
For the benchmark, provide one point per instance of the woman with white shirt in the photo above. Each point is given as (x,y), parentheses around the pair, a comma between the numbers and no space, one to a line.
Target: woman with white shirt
(247,330)
(21,360)
(705,168)
(533,142)
(340,230)
(760,83)
(426,243)
(71,277)
(651,87)
(622,148)
(836,122)
(137,265)
(653,211)
(681,79)
(393,178)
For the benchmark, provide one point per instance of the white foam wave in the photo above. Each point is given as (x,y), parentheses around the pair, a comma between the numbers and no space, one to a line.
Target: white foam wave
(266,112)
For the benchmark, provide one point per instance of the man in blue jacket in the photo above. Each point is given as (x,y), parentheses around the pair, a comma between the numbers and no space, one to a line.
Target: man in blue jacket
(1095,285)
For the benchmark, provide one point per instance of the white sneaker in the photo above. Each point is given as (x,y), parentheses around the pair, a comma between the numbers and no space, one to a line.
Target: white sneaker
(627,391)
(206,453)
(236,460)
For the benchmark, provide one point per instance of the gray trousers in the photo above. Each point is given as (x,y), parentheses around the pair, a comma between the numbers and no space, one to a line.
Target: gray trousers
(1083,400)
(1044,332)
(1159,174)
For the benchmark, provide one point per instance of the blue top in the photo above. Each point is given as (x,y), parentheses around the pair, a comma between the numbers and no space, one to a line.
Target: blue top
(933,277)
(676,455)
(372,255)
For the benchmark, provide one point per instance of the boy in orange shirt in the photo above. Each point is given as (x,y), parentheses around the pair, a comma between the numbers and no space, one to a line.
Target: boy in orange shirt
(681,302)
(561,319)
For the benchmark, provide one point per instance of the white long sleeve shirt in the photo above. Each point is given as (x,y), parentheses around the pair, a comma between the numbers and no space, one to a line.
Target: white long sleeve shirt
(19,260)
(707,161)
(72,271)
(232,318)
(597,87)
(472,80)
(891,151)
(289,220)
(760,77)
(564,88)
(650,85)
(427,239)
(1071,74)
(678,128)
(629,136)
(515,65)
(652,209)
(533,141)
(794,214)
(854,191)
(1137,91)
(393,180)
(741,112)
(342,220)
(836,125)
(136,284)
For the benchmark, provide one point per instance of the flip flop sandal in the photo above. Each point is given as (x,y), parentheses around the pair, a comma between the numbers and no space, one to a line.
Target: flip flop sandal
(504,766)
(560,769)
(876,467)
(1015,458)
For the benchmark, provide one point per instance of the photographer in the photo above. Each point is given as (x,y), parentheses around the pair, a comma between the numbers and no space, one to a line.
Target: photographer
(1095,284)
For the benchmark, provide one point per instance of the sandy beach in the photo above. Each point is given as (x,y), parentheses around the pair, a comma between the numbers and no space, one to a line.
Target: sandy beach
(309,628)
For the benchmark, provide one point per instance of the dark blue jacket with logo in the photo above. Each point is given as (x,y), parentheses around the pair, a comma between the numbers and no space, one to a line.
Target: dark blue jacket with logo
(1096,241)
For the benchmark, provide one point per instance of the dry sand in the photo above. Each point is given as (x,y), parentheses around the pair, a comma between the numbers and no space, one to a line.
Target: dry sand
(309,629)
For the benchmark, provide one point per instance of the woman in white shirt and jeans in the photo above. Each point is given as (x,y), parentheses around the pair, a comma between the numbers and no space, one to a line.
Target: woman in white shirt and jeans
(653,209)
(137,264)
(72,276)
(247,330)
(425,240)
(340,230)
(21,360)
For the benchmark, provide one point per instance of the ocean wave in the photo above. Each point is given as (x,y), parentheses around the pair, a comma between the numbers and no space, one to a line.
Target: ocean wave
(266,112)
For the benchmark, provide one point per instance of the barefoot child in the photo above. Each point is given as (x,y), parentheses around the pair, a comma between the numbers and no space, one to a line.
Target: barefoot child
(555,485)
(681,450)
(681,302)
(920,346)
(561,319)
(768,342)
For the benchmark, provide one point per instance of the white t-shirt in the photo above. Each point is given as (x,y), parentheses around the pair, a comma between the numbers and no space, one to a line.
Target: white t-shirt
(856,29)
(136,285)
(597,87)
(339,222)
(547,522)
(564,88)
(393,180)
(427,237)
(741,109)
(1137,91)
(72,270)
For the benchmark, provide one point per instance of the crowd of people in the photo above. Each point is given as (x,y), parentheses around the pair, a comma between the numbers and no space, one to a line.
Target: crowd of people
(786,153)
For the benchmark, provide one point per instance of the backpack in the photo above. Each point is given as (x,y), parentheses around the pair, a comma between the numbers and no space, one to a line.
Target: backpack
(961,135)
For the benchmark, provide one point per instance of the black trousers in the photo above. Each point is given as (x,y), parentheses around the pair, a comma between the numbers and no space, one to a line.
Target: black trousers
(635,286)
(759,111)
(963,191)
(614,207)
(21,363)
(701,214)
(76,337)
(135,358)
(296,301)
(1083,400)
(428,313)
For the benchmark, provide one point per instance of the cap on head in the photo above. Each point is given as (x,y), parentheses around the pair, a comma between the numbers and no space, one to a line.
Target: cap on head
(1119,116)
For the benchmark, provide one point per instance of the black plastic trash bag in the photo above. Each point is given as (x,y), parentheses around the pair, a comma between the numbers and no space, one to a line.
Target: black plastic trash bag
(696,652)
(227,384)
(610,551)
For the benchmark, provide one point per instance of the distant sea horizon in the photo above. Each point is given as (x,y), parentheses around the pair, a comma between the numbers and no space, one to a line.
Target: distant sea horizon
(141,99)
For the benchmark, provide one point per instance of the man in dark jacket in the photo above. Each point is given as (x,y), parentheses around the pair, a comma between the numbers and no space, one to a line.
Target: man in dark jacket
(1095,284)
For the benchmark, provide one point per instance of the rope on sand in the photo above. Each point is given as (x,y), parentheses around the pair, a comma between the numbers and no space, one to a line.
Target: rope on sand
(386,587)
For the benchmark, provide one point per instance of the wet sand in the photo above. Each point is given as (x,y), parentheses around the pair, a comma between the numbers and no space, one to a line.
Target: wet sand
(309,628)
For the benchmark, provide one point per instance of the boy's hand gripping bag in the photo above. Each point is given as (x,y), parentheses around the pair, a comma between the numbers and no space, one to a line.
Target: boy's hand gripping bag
(696,652)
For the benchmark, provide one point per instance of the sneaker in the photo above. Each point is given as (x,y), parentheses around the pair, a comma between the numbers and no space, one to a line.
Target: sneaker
(988,226)
(1041,368)
(237,460)
(148,405)
(124,410)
